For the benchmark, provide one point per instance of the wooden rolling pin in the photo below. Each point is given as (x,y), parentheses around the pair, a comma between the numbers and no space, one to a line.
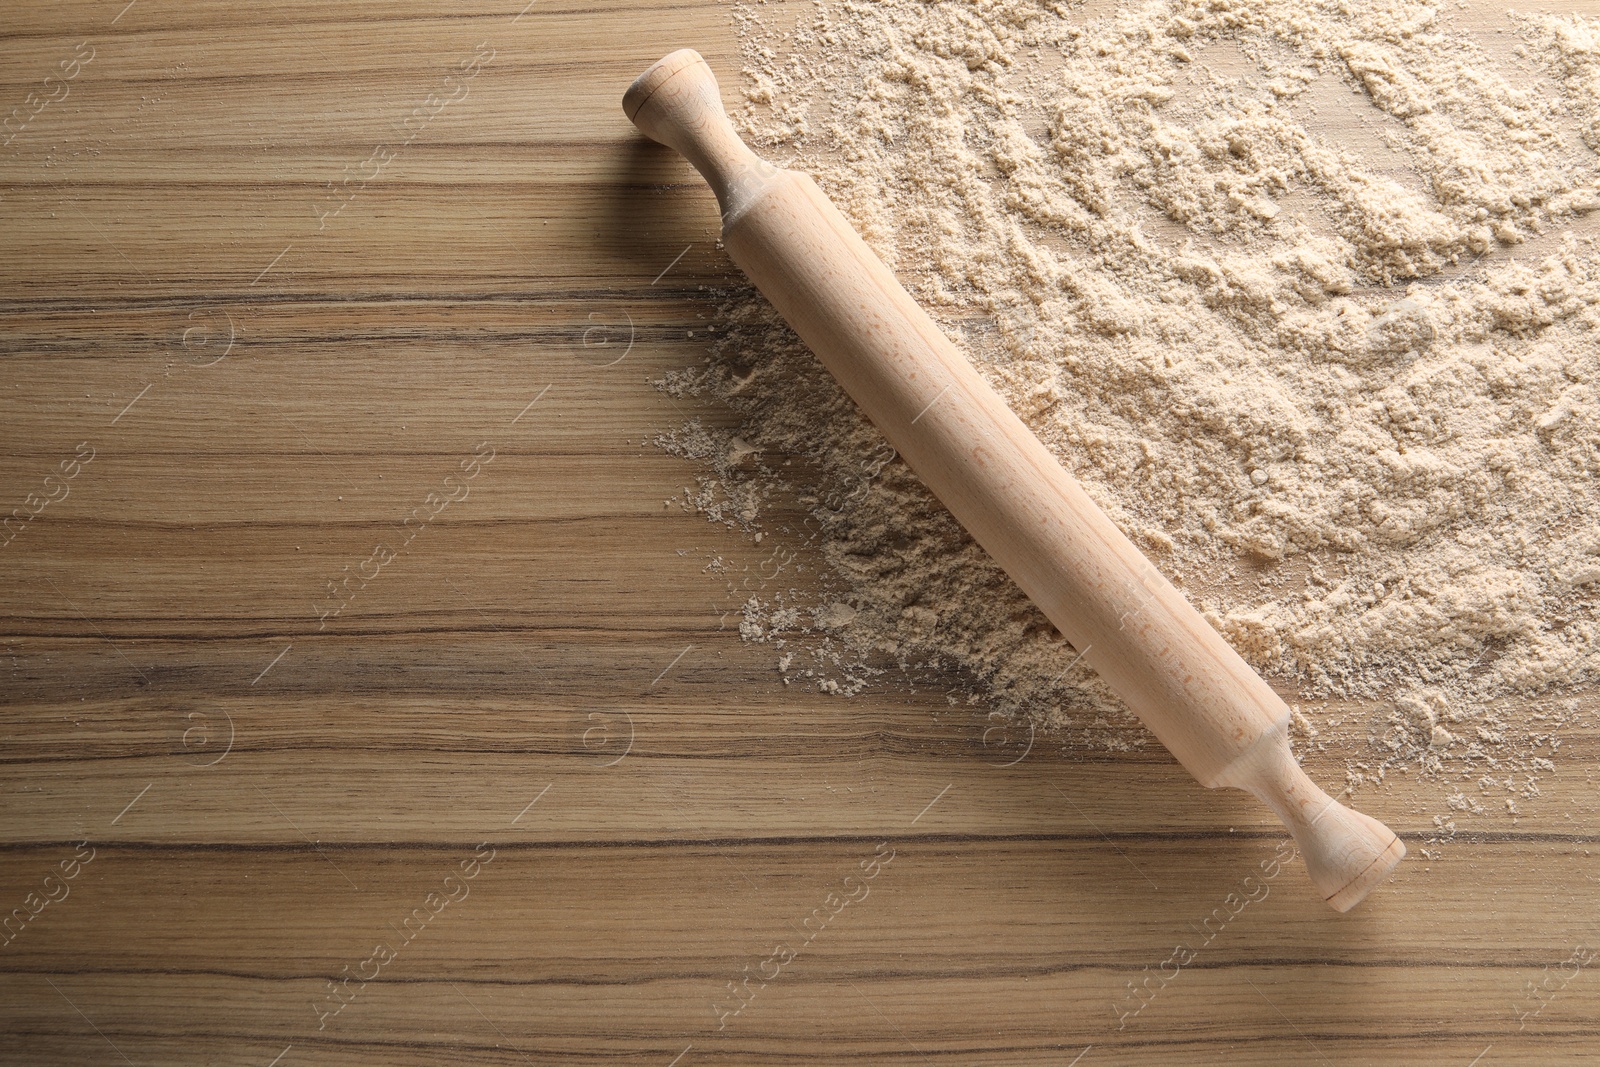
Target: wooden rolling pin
(1183,680)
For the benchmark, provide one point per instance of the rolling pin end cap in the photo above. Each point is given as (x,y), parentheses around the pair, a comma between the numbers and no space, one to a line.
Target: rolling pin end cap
(1354,891)
(657,75)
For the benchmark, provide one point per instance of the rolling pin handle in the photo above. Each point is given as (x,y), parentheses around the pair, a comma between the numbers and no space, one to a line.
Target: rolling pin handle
(677,102)
(1347,853)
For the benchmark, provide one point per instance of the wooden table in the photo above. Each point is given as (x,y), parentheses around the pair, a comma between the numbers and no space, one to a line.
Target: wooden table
(392,703)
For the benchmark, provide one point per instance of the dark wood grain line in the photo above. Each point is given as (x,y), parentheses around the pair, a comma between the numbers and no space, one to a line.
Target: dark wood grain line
(344,19)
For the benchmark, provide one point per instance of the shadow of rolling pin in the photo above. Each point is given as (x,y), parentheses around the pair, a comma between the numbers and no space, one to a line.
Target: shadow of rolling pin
(1193,691)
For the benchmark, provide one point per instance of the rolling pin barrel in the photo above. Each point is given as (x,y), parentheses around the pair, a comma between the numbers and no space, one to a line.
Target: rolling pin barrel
(1193,691)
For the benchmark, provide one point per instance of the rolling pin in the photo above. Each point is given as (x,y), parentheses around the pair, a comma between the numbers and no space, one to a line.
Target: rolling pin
(1189,687)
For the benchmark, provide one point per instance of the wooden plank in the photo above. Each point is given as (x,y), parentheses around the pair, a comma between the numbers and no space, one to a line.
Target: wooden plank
(551,665)
(1035,926)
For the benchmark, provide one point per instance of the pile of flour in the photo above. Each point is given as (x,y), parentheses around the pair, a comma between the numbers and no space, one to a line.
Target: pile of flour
(1343,389)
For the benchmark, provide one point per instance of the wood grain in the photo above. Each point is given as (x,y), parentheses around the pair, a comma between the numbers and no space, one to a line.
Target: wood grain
(269,794)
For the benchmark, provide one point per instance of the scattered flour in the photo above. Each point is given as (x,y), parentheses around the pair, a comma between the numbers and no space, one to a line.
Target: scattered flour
(1343,391)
